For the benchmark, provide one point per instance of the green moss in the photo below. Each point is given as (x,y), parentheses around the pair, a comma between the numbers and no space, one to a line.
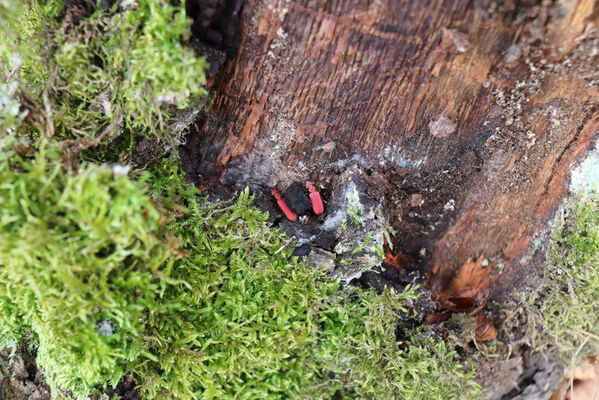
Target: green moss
(226,314)
(76,250)
(125,70)
(28,28)
(256,323)
(569,300)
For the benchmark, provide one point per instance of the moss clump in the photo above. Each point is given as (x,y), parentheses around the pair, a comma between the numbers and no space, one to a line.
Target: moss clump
(77,251)
(259,324)
(104,72)
(569,302)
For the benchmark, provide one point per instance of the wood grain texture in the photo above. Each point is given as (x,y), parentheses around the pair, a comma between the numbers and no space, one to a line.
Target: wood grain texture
(480,110)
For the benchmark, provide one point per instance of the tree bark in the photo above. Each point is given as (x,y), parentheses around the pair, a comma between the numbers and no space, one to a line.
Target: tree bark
(470,113)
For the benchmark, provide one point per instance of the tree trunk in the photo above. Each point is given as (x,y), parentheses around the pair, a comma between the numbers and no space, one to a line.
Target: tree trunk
(478,109)
(465,117)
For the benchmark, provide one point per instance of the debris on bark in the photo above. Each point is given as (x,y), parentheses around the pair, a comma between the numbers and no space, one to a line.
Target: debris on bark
(358,222)
(397,260)
(452,39)
(485,330)
(416,200)
(302,250)
(322,259)
(19,377)
(580,381)
(442,126)
(325,240)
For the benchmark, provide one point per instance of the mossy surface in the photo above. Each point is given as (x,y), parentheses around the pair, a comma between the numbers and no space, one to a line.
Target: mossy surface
(101,73)
(78,250)
(569,299)
(91,267)
(110,270)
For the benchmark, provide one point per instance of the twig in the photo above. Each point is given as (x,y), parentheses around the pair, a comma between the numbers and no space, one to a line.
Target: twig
(486,352)
(589,334)
(5,71)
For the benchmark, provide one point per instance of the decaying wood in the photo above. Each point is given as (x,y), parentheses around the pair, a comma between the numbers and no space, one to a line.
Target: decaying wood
(473,113)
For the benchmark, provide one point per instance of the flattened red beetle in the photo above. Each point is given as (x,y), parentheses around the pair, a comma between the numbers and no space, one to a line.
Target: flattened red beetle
(291,216)
(315,198)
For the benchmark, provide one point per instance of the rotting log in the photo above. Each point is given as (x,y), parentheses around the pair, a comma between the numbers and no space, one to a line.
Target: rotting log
(472,113)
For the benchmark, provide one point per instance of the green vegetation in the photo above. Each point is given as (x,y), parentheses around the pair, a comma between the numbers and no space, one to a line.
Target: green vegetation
(103,73)
(262,325)
(77,250)
(110,270)
(225,313)
(569,299)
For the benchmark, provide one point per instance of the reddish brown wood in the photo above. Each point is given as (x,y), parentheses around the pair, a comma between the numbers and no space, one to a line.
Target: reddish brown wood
(472,114)
(485,330)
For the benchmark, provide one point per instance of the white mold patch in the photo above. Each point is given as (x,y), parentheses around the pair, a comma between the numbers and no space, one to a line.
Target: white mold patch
(393,155)
(586,175)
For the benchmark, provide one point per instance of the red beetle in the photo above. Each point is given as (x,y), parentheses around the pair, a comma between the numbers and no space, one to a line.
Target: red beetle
(315,198)
(283,205)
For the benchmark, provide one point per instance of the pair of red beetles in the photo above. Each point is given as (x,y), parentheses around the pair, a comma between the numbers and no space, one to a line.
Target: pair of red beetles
(315,198)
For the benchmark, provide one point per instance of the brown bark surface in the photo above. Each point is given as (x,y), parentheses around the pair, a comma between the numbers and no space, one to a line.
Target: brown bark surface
(469,115)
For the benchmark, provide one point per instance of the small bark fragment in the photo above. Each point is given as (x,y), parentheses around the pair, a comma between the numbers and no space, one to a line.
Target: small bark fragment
(442,126)
(485,330)
(452,39)
(415,199)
